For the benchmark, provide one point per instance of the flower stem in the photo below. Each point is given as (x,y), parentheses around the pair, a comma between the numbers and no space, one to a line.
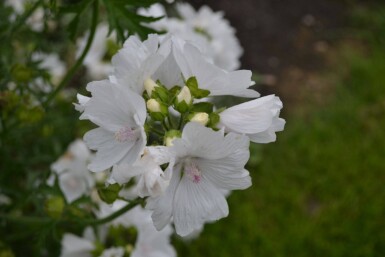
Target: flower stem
(116,214)
(79,62)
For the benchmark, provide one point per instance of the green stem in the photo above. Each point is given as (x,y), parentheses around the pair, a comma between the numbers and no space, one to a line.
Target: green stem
(26,219)
(181,121)
(164,124)
(116,214)
(169,120)
(79,62)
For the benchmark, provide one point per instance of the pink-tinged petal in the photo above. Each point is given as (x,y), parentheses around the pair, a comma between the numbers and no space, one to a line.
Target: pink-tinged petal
(197,203)
(109,151)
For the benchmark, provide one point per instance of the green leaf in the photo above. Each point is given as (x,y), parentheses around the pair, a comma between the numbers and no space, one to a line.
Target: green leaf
(123,19)
(203,107)
(110,193)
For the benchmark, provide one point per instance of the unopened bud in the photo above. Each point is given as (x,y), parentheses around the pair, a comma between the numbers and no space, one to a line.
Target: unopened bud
(183,100)
(54,206)
(149,86)
(157,110)
(200,117)
(184,95)
(153,105)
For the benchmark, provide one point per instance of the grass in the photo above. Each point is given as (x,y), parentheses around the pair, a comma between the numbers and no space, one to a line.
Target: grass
(320,189)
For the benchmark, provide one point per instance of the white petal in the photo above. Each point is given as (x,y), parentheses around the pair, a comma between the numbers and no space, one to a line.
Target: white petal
(109,151)
(72,186)
(212,78)
(163,204)
(198,141)
(195,204)
(74,246)
(112,107)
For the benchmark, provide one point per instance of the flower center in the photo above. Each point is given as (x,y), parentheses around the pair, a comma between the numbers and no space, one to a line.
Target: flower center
(125,134)
(192,172)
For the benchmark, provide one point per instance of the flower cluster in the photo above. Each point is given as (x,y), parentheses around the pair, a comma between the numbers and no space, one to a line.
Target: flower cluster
(155,130)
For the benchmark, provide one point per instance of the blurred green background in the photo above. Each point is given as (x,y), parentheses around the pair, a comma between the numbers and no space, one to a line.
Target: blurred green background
(319,190)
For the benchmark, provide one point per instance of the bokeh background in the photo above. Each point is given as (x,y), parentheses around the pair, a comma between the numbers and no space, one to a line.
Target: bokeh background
(319,190)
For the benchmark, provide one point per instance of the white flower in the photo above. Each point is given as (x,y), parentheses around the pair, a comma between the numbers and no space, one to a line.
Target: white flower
(136,62)
(209,31)
(113,252)
(35,20)
(74,178)
(203,163)
(258,119)
(217,30)
(97,67)
(73,245)
(120,115)
(54,67)
(150,242)
(171,61)
(151,179)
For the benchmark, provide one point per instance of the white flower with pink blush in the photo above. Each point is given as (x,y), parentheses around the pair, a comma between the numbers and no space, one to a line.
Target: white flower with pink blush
(203,163)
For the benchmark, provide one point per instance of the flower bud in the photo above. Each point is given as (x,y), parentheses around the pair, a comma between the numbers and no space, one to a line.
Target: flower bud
(184,95)
(54,206)
(170,136)
(153,105)
(157,110)
(200,117)
(183,100)
(149,86)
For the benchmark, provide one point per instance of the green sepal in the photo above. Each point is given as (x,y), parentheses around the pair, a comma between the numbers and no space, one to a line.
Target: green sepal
(161,93)
(158,116)
(110,193)
(203,107)
(174,91)
(214,119)
(181,107)
(196,92)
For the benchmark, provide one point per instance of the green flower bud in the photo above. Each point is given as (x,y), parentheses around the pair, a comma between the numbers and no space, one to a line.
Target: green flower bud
(54,206)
